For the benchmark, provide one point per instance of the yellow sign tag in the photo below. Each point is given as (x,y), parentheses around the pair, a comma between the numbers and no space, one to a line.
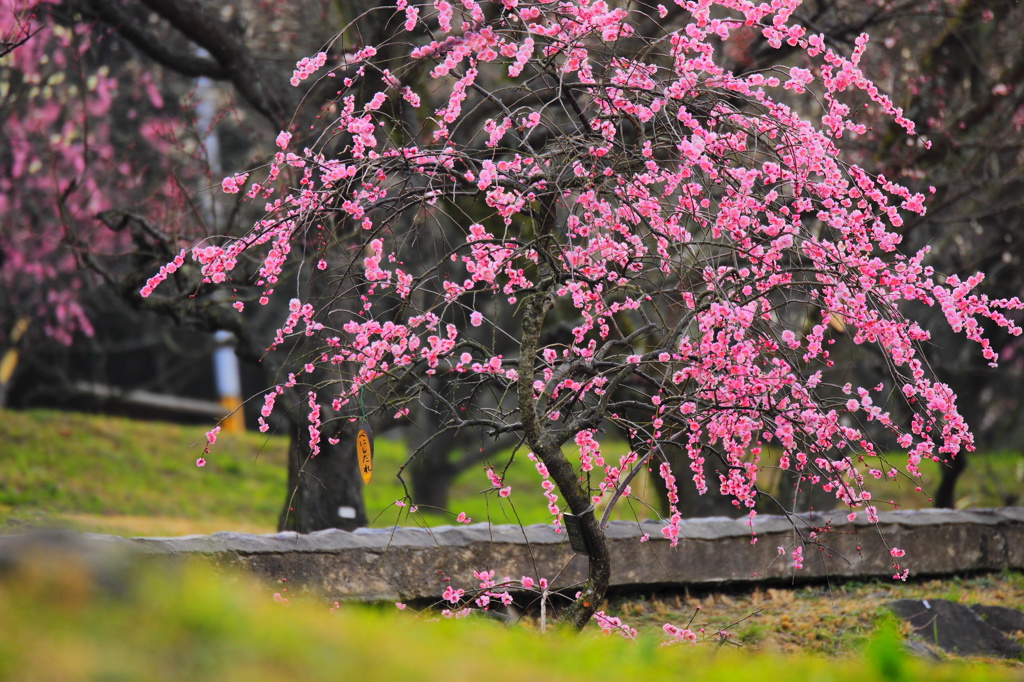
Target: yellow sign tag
(364,451)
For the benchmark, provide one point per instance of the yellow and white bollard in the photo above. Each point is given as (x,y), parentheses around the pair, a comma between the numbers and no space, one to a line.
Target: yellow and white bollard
(229,382)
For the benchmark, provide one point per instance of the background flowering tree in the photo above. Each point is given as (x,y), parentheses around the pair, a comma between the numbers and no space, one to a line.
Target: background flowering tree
(120,117)
(58,158)
(579,220)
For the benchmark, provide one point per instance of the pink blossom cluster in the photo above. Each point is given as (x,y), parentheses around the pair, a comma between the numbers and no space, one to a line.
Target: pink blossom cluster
(490,590)
(679,634)
(498,482)
(306,67)
(550,493)
(613,624)
(162,274)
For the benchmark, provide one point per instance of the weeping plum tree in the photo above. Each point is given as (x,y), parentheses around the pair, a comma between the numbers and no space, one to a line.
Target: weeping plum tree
(548,221)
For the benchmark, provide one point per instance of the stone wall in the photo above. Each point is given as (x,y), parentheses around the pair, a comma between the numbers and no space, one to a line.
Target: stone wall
(411,563)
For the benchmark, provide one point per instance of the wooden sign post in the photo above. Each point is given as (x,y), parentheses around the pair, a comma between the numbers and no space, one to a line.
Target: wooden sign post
(364,451)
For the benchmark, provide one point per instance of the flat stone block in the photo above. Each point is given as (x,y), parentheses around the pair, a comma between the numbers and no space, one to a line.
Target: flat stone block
(394,564)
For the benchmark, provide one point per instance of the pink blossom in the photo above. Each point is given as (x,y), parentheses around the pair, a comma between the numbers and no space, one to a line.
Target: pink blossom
(452,595)
(233,184)
(679,634)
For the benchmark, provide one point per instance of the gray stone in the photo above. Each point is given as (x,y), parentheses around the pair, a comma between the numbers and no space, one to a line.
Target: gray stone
(921,650)
(105,562)
(955,628)
(1010,621)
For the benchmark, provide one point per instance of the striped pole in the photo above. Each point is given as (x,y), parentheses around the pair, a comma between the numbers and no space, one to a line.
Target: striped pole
(229,383)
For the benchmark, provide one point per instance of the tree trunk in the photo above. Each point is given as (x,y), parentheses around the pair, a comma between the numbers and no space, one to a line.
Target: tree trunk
(945,496)
(430,472)
(430,477)
(599,575)
(562,473)
(325,491)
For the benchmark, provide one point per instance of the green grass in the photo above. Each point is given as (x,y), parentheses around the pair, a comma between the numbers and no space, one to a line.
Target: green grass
(74,469)
(134,478)
(194,624)
(113,475)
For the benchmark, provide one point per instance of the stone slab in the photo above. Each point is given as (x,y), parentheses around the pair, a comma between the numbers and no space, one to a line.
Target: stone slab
(957,628)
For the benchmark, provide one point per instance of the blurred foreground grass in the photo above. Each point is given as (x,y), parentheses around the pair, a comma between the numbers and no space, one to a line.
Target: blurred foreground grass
(113,475)
(191,623)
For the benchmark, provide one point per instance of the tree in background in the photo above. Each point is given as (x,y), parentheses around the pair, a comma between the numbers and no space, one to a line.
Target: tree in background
(63,162)
(103,182)
(961,75)
(579,221)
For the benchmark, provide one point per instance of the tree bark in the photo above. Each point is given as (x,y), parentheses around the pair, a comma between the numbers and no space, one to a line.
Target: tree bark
(325,491)
(431,475)
(579,613)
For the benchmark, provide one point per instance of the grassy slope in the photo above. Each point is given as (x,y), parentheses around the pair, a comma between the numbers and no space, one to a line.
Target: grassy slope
(113,475)
(119,476)
(116,475)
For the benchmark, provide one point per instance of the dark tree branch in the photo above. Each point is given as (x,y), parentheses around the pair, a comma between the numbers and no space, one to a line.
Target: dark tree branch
(230,58)
(135,31)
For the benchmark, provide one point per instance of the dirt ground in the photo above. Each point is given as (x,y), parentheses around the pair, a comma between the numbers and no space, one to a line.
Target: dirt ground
(832,619)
